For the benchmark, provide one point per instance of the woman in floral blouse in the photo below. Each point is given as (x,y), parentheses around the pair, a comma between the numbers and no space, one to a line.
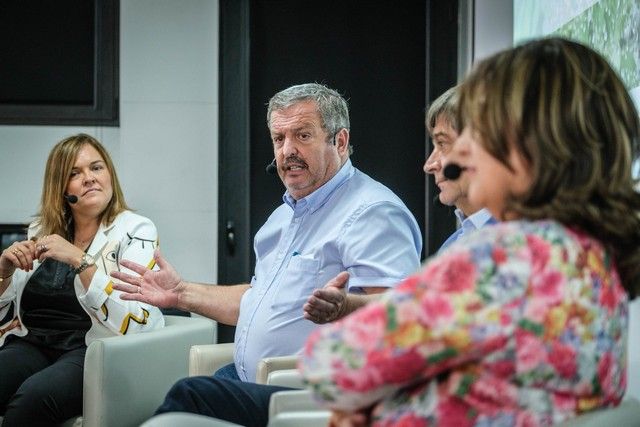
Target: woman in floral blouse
(523,323)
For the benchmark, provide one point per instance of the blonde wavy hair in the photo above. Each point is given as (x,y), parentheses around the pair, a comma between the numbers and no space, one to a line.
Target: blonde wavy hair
(54,216)
(561,105)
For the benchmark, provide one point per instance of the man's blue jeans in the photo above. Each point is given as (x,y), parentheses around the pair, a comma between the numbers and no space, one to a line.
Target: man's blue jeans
(223,396)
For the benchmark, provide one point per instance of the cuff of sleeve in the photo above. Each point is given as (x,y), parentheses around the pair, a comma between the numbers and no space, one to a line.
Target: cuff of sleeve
(98,292)
(359,283)
(8,296)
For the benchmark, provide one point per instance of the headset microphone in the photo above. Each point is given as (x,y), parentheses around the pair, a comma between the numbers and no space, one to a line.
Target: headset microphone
(71,198)
(272,168)
(453,171)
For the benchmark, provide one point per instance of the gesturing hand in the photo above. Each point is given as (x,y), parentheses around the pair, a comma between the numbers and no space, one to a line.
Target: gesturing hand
(157,288)
(329,303)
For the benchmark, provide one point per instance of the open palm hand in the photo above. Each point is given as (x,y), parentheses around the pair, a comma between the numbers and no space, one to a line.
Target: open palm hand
(158,288)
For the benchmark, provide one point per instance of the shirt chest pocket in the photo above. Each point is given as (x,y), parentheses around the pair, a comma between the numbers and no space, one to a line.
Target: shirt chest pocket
(296,283)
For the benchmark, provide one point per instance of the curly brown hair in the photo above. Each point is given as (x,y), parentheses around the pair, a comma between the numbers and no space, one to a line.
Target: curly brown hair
(563,107)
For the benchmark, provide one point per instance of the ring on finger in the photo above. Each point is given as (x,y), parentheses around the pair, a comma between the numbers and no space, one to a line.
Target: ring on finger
(15,252)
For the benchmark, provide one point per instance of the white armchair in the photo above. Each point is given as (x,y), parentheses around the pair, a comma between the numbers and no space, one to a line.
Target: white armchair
(207,359)
(297,408)
(625,415)
(127,377)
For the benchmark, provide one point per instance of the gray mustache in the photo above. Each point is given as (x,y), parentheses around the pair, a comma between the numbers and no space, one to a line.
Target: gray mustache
(294,161)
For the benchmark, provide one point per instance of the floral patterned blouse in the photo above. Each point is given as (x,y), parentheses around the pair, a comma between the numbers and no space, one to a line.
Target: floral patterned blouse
(521,324)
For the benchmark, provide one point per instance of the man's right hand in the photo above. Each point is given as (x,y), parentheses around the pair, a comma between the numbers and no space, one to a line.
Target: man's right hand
(329,303)
(159,288)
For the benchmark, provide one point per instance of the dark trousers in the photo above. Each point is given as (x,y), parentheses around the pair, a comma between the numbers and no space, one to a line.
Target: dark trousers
(39,386)
(222,397)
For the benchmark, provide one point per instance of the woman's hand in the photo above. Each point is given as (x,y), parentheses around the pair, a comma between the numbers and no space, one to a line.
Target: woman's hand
(58,248)
(19,255)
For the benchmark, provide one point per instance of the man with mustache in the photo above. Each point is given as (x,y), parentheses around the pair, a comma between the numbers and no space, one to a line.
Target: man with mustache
(334,218)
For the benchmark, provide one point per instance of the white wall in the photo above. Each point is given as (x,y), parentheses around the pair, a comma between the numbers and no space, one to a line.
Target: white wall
(493,27)
(166,147)
(486,27)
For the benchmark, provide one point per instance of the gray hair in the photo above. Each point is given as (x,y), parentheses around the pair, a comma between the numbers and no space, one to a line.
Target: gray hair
(332,106)
(446,105)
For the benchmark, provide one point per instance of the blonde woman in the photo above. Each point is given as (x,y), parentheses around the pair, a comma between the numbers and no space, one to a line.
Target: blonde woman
(56,294)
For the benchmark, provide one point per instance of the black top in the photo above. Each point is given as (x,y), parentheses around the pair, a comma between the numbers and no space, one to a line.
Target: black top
(50,308)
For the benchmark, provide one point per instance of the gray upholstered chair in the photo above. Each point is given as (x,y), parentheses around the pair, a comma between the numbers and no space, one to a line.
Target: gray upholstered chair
(127,377)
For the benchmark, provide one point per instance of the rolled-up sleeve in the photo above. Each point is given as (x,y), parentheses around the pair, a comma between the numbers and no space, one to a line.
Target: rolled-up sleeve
(381,245)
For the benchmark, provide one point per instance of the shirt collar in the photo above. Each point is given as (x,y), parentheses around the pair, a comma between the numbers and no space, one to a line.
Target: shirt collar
(475,220)
(320,196)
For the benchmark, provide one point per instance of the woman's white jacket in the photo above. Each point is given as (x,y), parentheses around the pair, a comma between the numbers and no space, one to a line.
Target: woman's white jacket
(130,236)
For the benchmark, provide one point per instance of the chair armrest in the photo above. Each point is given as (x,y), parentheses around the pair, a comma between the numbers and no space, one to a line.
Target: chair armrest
(297,419)
(286,378)
(127,377)
(270,364)
(206,359)
(627,414)
(292,401)
(173,419)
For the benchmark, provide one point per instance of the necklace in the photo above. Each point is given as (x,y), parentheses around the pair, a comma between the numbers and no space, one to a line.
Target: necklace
(88,231)
(83,243)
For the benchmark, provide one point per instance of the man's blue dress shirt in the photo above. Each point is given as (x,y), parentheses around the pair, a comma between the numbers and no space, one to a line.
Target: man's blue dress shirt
(352,223)
(468,224)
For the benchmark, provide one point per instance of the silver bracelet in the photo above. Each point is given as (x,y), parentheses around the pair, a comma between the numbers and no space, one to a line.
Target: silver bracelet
(86,261)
